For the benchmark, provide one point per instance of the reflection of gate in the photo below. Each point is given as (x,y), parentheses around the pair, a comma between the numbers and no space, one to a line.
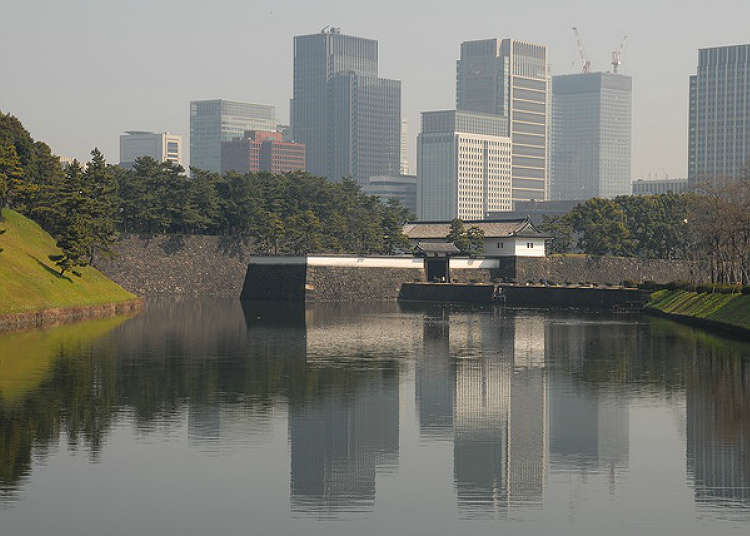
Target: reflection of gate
(438,269)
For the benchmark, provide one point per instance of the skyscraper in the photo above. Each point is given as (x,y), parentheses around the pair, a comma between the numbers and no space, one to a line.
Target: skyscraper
(719,129)
(161,146)
(509,78)
(590,136)
(404,147)
(215,121)
(347,117)
(464,165)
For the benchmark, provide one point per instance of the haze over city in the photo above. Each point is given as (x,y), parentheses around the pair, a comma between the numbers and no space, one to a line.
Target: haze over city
(90,70)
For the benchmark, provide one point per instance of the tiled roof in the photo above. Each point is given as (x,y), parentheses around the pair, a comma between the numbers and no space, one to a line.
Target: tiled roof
(438,247)
(492,229)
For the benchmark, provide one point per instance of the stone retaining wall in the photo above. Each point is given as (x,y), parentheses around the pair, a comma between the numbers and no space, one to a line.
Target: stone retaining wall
(589,269)
(194,266)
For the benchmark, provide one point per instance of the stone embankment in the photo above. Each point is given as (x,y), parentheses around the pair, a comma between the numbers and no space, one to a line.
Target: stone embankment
(591,269)
(194,265)
(55,317)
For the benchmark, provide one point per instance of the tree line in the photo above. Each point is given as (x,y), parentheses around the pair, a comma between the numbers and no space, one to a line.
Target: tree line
(709,226)
(86,208)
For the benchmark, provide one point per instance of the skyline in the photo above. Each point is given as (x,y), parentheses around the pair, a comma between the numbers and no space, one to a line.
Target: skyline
(112,88)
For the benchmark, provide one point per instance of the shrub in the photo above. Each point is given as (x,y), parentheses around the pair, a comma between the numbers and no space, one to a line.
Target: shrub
(650,285)
(627,283)
(746,289)
(568,283)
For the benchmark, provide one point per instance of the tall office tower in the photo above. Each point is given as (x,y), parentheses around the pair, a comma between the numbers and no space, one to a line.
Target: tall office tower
(463,164)
(215,121)
(719,129)
(161,146)
(509,78)
(590,136)
(364,132)
(404,147)
(347,117)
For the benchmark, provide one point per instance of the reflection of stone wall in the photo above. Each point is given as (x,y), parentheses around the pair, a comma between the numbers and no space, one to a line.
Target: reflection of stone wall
(584,268)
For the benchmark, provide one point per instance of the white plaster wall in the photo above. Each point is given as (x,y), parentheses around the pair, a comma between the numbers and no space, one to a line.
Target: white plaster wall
(457,263)
(523,251)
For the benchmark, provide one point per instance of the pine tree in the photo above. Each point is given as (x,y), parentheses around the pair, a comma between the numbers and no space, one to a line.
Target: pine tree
(11,172)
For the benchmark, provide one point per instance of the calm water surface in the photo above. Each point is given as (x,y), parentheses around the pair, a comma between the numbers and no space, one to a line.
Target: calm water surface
(208,417)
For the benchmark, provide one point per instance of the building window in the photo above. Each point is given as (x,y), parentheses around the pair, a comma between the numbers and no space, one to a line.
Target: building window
(530,245)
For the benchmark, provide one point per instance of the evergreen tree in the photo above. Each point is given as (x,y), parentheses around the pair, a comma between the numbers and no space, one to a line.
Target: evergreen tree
(475,239)
(11,172)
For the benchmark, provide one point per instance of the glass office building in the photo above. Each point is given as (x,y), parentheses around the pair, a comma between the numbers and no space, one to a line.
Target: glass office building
(348,118)
(509,78)
(719,117)
(591,136)
(216,121)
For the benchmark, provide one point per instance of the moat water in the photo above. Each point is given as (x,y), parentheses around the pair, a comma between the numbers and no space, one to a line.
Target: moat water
(216,417)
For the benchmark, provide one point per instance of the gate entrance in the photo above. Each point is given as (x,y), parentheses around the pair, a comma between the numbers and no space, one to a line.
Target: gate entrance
(437,270)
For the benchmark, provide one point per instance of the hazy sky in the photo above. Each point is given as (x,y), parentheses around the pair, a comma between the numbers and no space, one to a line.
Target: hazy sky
(78,73)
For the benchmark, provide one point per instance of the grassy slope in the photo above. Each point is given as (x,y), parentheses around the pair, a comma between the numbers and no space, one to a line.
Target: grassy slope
(732,309)
(29,281)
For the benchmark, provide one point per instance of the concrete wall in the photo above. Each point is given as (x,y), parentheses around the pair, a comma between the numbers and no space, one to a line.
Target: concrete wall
(602,270)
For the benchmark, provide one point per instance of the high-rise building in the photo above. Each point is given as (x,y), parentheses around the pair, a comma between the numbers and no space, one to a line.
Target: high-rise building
(161,146)
(719,119)
(347,117)
(404,147)
(590,136)
(259,150)
(401,188)
(509,78)
(659,186)
(463,164)
(215,121)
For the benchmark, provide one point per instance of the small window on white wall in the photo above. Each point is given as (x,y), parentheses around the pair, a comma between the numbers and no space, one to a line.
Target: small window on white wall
(529,245)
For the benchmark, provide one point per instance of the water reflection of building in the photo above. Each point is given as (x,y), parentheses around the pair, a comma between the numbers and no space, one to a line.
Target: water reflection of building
(589,418)
(718,430)
(482,380)
(343,423)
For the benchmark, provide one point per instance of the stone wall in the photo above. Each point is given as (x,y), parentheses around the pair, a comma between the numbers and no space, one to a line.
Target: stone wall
(578,298)
(348,284)
(175,266)
(589,269)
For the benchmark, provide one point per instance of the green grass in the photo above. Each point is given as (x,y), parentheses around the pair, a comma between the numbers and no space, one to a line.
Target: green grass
(29,281)
(731,309)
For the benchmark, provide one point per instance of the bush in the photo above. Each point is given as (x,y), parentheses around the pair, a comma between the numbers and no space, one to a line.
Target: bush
(627,283)
(650,285)
(746,289)
(568,283)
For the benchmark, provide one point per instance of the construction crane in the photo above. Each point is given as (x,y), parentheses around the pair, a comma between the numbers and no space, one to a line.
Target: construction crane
(617,55)
(585,64)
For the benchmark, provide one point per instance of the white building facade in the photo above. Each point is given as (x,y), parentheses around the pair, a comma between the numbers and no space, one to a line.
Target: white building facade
(502,238)
(463,166)
(161,146)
